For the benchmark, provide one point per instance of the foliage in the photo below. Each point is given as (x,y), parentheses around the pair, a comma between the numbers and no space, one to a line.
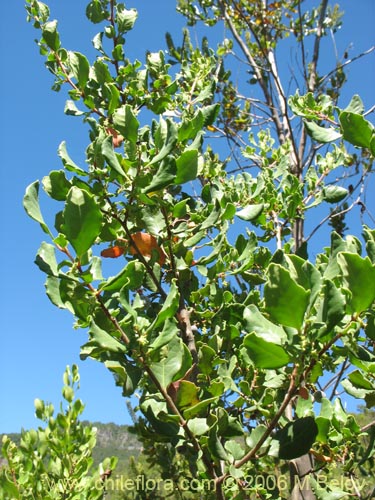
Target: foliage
(54,461)
(228,342)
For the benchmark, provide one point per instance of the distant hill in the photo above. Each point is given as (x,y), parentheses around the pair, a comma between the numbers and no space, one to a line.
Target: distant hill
(112,440)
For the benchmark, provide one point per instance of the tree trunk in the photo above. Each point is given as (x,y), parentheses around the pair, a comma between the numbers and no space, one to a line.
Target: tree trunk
(300,470)
(301,467)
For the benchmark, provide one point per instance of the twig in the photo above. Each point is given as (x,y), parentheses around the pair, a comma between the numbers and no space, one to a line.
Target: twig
(288,396)
(368,426)
(338,378)
(349,61)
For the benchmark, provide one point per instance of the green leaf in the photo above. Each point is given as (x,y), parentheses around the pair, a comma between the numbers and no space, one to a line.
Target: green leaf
(51,36)
(187,394)
(333,305)
(198,426)
(189,128)
(206,357)
(169,144)
(229,212)
(256,322)
(53,292)
(95,12)
(164,176)
(305,274)
(31,205)
(235,449)
(356,129)
(324,425)
(217,450)
(359,381)
(97,42)
(68,394)
(101,342)
(80,67)
(355,105)
(255,435)
(167,361)
(250,212)
(210,113)
(369,236)
(131,277)
(321,134)
(169,332)
(370,328)
(359,279)
(323,493)
(67,161)
(265,354)
(296,438)
(334,193)
(110,155)
(156,413)
(56,185)
(372,144)
(200,408)
(46,259)
(71,109)
(82,220)
(286,301)
(101,72)
(187,166)
(125,19)
(126,123)
(126,375)
(169,308)
(356,392)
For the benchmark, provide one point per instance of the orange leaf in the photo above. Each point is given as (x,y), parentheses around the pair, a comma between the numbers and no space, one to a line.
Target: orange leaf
(118,139)
(113,252)
(145,243)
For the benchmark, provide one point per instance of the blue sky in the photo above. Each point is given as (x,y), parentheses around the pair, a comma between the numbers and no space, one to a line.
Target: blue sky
(37,340)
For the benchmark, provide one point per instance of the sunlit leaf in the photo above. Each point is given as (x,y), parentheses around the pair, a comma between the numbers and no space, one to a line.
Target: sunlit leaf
(168,362)
(359,278)
(56,185)
(110,155)
(31,205)
(334,194)
(256,322)
(286,301)
(356,129)
(82,219)
(187,166)
(265,354)
(321,134)
(125,18)
(101,341)
(250,212)
(80,67)
(50,35)
(126,123)
(46,259)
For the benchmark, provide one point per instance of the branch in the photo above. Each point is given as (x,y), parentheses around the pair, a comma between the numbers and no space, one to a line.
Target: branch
(256,70)
(288,397)
(278,230)
(318,37)
(368,426)
(73,85)
(183,315)
(338,377)
(349,61)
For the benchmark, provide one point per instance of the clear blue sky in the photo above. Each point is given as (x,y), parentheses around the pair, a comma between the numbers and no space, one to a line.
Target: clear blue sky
(37,340)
